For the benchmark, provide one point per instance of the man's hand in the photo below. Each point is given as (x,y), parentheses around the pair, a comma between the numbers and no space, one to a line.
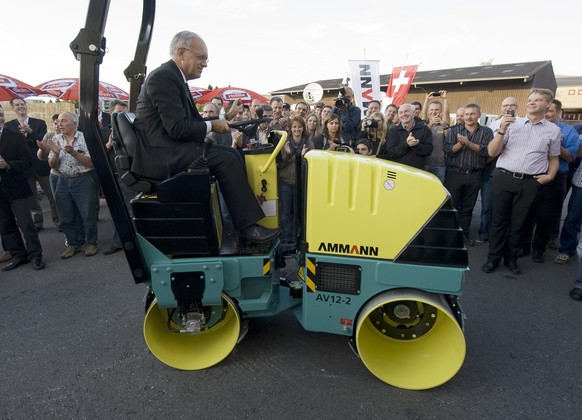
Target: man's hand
(236,107)
(220,126)
(54,147)
(43,146)
(24,129)
(464,140)
(506,121)
(69,149)
(432,121)
(411,141)
(543,179)
(2,163)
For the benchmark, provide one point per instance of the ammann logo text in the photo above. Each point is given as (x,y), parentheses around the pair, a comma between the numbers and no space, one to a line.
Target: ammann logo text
(348,249)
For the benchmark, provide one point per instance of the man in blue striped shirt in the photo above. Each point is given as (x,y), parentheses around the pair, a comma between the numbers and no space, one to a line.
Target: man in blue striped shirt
(528,150)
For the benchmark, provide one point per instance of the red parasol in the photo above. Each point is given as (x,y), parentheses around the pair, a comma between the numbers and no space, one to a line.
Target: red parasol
(232,94)
(14,88)
(198,92)
(68,90)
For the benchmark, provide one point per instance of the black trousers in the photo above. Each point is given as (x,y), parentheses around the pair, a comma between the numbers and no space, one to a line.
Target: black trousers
(227,165)
(464,189)
(512,200)
(15,216)
(542,216)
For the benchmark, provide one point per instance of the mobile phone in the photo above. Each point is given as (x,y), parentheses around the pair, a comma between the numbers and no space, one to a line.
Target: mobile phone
(436,94)
(511,112)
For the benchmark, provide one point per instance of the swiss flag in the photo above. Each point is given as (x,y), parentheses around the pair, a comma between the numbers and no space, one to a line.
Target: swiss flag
(400,82)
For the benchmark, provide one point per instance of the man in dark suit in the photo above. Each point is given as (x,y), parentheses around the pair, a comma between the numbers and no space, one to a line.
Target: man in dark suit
(34,130)
(15,201)
(172,133)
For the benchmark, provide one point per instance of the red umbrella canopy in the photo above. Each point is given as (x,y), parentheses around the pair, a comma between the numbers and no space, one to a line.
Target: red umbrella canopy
(68,90)
(14,88)
(197,92)
(232,94)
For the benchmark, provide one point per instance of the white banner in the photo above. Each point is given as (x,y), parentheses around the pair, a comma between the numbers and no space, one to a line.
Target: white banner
(365,82)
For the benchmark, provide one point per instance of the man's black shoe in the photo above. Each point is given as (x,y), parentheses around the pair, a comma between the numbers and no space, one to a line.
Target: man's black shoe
(37,263)
(576,293)
(537,257)
(112,250)
(259,234)
(489,267)
(513,267)
(15,263)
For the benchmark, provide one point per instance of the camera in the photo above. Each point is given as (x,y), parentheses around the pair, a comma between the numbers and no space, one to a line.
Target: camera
(435,93)
(342,102)
(342,149)
(371,123)
(511,112)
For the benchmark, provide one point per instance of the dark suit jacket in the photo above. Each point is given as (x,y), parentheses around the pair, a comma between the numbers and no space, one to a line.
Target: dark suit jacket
(105,120)
(175,130)
(40,167)
(14,183)
(397,149)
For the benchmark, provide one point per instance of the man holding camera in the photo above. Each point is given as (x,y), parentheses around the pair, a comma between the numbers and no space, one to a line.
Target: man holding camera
(349,114)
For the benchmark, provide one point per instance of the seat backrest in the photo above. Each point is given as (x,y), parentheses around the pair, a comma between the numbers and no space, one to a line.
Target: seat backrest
(124,144)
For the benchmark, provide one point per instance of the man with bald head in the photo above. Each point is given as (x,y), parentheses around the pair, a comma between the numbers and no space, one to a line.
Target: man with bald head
(77,186)
(172,134)
(409,142)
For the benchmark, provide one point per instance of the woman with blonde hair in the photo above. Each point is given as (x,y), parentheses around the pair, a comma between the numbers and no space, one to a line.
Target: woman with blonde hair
(312,125)
(374,129)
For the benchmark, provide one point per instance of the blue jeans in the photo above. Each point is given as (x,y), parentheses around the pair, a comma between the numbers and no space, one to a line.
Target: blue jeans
(78,194)
(53,179)
(571,227)
(439,171)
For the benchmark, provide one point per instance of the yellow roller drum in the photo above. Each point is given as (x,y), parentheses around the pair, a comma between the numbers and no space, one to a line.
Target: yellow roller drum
(410,339)
(191,351)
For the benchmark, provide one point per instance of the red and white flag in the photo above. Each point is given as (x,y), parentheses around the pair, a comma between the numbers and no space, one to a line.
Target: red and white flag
(400,82)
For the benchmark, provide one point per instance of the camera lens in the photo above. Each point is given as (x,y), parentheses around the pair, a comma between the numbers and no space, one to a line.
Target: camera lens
(340,102)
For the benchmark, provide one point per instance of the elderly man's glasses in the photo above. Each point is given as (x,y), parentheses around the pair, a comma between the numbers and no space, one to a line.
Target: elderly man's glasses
(199,57)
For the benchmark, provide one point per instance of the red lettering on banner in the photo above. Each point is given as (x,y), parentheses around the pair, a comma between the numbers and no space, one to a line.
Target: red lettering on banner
(367,94)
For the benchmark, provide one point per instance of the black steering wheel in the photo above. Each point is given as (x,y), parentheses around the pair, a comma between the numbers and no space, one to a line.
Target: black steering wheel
(249,127)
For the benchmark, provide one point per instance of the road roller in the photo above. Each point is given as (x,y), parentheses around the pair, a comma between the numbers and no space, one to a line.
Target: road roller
(379,255)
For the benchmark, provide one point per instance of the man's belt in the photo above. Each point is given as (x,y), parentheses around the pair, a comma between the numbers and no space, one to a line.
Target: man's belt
(78,174)
(465,171)
(517,175)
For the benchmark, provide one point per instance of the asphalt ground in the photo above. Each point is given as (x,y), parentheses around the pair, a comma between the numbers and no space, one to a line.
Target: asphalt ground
(71,346)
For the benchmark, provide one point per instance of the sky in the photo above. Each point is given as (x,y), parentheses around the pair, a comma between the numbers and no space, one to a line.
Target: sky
(270,45)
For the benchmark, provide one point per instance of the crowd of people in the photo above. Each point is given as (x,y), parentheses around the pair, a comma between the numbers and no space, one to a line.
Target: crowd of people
(60,162)
(522,167)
